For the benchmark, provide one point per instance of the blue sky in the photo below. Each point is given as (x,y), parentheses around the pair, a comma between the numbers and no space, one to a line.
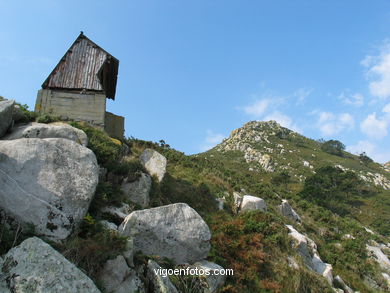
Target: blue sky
(192,71)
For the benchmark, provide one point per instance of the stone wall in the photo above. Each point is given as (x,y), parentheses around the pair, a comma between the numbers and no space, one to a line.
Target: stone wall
(114,125)
(79,107)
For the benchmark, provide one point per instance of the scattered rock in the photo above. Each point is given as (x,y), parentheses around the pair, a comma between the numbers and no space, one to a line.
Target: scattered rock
(34,266)
(387,278)
(128,253)
(292,263)
(339,282)
(117,213)
(214,281)
(175,231)
(108,225)
(220,203)
(53,130)
(18,114)
(237,200)
(287,211)
(251,203)
(154,163)
(379,256)
(117,277)
(347,236)
(47,182)
(308,250)
(159,283)
(138,190)
(368,230)
(6,110)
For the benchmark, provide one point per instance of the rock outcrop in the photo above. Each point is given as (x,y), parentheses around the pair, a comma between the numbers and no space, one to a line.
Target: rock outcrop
(34,266)
(175,231)
(154,163)
(117,277)
(6,111)
(375,250)
(47,182)
(158,282)
(287,211)
(138,190)
(53,130)
(308,250)
(214,280)
(251,203)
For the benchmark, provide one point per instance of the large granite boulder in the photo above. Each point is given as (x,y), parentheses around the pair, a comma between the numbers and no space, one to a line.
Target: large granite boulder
(117,277)
(214,279)
(34,266)
(154,163)
(175,231)
(251,203)
(287,211)
(310,256)
(6,111)
(47,182)
(53,130)
(138,190)
(159,283)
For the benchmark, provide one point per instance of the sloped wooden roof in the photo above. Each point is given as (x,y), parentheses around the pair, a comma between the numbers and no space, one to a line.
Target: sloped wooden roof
(85,66)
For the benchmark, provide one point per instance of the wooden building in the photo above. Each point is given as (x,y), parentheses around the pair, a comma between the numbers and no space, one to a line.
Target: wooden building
(78,86)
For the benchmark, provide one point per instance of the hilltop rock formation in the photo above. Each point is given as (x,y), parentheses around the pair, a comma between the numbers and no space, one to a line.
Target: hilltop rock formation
(47,182)
(6,111)
(154,163)
(175,231)
(53,130)
(34,266)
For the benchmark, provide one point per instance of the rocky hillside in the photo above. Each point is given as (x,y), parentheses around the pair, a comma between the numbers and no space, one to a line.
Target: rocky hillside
(83,212)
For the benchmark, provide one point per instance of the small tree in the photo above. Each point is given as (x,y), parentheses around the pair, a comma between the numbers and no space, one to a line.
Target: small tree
(333,147)
(365,159)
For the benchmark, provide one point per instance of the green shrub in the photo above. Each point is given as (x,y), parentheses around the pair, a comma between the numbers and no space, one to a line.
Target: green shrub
(91,250)
(107,150)
(47,118)
(333,147)
(106,194)
(334,189)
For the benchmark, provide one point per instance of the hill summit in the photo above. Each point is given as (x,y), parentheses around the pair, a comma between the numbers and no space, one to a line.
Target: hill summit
(269,147)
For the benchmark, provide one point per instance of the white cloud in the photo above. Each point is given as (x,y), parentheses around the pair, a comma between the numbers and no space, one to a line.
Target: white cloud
(211,140)
(301,94)
(386,109)
(257,108)
(362,146)
(374,127)
(371,150)
(283,120)
(355,99)
(330,123)
(378,72)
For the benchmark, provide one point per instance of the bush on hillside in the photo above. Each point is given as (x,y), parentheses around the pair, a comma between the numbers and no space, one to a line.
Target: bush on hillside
(107,151)
(47,118)
(365,159)
(333,147)
(334,189)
